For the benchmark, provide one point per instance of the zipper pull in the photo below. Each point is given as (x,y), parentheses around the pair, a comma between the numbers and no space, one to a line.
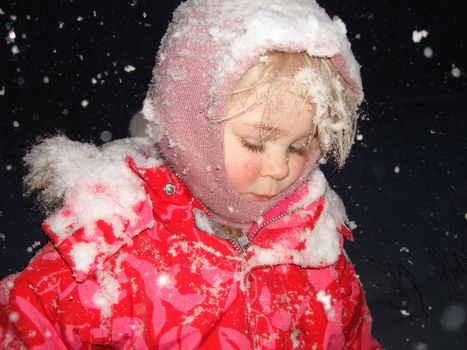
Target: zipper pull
(243,243)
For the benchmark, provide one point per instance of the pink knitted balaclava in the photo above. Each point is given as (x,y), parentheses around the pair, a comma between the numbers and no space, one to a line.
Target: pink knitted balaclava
(208,46)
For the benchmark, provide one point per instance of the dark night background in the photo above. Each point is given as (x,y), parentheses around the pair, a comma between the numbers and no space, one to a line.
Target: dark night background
(405,184)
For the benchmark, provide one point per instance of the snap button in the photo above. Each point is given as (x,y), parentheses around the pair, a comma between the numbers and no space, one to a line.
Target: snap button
(169,189)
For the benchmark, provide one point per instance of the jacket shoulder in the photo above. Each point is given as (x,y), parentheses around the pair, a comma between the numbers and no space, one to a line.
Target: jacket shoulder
(104,202)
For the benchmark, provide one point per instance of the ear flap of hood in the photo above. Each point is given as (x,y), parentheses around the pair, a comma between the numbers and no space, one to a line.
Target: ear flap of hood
(208,46)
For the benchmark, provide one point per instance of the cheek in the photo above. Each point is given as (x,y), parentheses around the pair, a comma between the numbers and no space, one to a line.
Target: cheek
(296,166)
(241,171)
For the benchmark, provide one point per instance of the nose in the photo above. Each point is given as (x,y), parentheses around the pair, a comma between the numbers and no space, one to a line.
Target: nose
(275,165)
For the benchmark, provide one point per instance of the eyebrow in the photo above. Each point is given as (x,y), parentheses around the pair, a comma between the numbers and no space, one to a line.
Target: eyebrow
(270,131)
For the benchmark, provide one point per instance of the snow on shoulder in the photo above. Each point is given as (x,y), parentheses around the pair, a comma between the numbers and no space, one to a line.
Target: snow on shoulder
(91,183)
(321,245)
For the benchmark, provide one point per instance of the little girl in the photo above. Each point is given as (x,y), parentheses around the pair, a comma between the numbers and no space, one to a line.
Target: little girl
(225,237)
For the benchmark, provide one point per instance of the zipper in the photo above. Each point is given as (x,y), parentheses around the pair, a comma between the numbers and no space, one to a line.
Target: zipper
(271,220)
(242,243)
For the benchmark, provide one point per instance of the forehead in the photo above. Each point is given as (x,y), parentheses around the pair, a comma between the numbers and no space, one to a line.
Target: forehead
(267,101)
(280,112)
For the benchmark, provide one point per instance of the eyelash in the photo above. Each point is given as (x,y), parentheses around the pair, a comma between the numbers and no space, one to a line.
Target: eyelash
(251,147)
(260,148)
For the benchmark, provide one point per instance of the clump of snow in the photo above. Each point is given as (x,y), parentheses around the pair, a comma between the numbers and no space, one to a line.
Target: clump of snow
(46,79)
(286,22)
(203,223)
(129,68)
(15,124)
(107,294)
(418,35)
(359,137)
(138,125)
(94,183)
(325,300)
(84,103)
(428,52)
(2,91)
(294,338)
(316,187)
(83,255)
(155,127)
(397,169)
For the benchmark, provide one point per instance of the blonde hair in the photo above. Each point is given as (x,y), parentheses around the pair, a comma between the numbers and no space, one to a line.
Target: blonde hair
(315,81)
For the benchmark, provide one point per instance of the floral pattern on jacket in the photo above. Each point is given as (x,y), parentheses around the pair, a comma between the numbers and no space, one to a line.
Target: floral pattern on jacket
(171,282)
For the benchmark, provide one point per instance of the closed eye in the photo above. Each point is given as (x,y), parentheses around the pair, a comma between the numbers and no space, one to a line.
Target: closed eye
(252,147)
(298,149)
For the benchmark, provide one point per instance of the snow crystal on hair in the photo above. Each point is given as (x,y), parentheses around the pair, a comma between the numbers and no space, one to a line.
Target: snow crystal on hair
(336,109)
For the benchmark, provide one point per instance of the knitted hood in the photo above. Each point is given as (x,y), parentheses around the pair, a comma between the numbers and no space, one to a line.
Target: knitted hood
(208,46)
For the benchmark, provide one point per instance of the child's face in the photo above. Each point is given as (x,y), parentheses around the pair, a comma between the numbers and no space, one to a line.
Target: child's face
(265,153)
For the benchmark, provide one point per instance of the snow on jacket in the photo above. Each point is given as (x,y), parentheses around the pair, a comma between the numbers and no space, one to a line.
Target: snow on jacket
(161,274)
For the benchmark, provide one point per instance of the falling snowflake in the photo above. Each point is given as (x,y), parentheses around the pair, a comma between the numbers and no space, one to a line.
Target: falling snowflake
(455,72)
(428,52)
(106,136)
(418,35)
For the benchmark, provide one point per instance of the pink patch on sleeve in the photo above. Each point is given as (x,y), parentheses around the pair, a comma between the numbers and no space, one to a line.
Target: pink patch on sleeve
(181,338)
(265,298)
(215,276)
(231,339)
(281,319)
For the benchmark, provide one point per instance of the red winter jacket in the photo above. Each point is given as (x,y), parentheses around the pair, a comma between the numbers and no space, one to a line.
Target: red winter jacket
(175,280)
